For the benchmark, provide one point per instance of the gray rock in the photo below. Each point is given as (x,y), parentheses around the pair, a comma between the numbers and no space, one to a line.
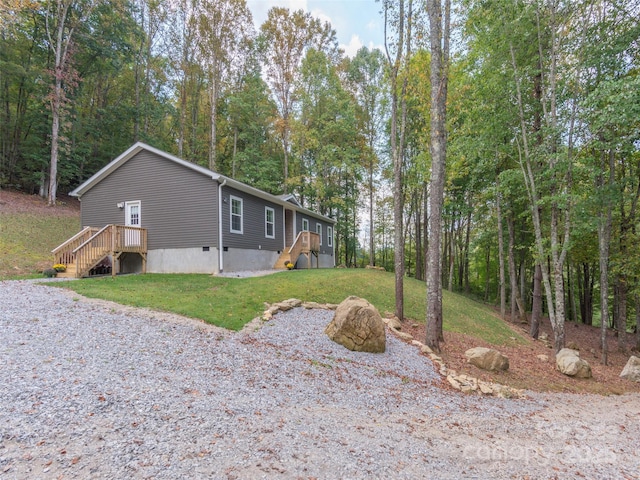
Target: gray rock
(631,370)
(358,326)
(487,359)
(569,363)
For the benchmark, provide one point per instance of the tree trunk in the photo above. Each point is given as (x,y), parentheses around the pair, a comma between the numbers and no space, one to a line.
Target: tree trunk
(605,221)
(516,301)
(439,46)
(55,135)
(502,276)
(536,303)
(212,114)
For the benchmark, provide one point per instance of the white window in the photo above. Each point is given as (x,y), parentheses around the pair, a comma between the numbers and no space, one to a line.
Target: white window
(269,222)
(330,236)
(305,225)
(319,231)
(236,214)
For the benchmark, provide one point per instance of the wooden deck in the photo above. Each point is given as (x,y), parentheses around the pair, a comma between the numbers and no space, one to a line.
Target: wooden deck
(88,248)
(307,244)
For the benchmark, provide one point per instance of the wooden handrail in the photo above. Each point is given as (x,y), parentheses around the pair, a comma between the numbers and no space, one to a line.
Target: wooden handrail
(64,253)
(112,240)
(77,236)
(90,239)
(305,242)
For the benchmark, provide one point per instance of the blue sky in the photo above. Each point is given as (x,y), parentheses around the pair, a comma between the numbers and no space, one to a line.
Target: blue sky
(357,22)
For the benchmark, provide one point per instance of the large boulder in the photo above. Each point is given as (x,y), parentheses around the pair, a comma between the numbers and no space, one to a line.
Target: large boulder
(631,370)
(358,326)
(569,362)
(487,359)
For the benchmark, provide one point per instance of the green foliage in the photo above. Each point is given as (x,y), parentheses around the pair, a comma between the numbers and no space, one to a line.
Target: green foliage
(50,272)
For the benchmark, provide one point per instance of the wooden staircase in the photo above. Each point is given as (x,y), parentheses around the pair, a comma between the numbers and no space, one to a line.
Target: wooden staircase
(88,248)
(307,244)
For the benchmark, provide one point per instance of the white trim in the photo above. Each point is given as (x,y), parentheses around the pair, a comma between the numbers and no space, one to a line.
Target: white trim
(231,214)
(305,220)
(330,237)
(319,231)
(266,222)
(127,213)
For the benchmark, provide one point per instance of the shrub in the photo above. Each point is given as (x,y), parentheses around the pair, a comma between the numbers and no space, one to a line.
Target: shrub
(50,273)
(59,267)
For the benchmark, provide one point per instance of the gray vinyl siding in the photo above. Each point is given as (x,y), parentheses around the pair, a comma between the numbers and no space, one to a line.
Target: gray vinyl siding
(178,205)
(253,227)
(313,221)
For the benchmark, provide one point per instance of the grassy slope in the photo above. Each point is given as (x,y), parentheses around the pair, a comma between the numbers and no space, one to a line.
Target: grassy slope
(26,241)
(232,302)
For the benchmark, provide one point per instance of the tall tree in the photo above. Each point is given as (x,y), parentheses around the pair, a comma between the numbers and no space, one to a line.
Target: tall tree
(225,28)
(62,19)
(439,35)
(367,81)
(285,38)
(397,24)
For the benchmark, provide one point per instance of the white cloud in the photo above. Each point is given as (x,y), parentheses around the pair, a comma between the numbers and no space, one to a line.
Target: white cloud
(260,8)
(352,48)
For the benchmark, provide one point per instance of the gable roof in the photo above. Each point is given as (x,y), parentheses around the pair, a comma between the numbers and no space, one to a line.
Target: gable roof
(287,200)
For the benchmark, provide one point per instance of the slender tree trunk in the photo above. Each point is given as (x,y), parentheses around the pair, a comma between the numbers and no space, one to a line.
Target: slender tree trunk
(372,250)
(536,302)
(212,114)
(55,135)
(516,301)
(605,221)
(502,276)
(439,46)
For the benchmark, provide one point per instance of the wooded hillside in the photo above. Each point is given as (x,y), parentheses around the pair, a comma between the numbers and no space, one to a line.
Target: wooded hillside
(542,178)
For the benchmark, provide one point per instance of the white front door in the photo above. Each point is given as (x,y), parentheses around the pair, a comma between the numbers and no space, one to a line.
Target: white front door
(132,219)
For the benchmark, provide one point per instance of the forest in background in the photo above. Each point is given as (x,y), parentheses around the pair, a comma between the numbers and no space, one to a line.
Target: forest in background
(542,181)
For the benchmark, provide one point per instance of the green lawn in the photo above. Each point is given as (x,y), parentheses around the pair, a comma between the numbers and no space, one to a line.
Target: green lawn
(232,302)
(26,242)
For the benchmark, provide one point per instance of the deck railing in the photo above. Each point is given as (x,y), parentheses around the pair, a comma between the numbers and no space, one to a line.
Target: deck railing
(306,242)
(85,251)
(64,253)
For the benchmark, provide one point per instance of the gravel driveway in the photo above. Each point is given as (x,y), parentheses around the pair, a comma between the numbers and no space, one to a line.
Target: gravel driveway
(94,390)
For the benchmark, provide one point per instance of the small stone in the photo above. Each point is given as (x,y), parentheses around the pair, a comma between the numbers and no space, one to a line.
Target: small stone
(454,382)
(403,335)
(394,323)
(312,305)
(485,388)
(425,349)
(543,357)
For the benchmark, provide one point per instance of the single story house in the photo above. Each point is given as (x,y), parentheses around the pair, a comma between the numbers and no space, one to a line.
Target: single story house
(169,215)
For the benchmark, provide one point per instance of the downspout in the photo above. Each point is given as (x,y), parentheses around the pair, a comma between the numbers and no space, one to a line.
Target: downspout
(220,185)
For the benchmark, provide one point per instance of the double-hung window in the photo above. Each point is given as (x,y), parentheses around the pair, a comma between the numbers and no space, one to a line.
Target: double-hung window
(305,224)
(330,236)
(319,231)
(269,222)
(236,214)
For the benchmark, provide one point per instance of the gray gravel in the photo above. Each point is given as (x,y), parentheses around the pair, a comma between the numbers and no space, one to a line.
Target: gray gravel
(92,390)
